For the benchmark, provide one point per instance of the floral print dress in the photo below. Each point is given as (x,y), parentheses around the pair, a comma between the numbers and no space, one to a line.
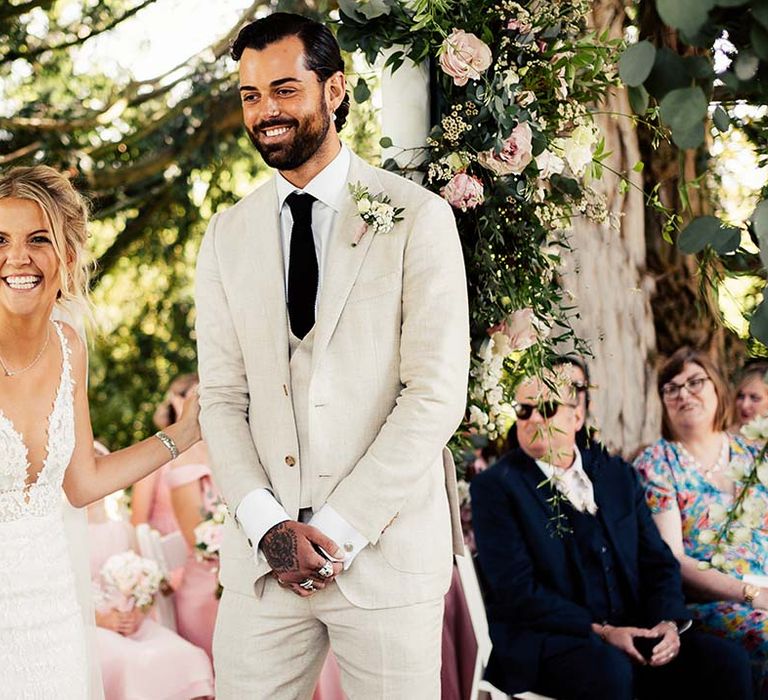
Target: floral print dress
(671,479)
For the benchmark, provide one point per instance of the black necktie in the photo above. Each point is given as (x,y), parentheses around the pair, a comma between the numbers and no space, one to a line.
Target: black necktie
(302,266)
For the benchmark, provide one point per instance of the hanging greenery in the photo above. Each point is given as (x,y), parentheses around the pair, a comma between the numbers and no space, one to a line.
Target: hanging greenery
(515,151)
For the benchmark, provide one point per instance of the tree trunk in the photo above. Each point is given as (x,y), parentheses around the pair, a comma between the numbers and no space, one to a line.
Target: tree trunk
(606,272)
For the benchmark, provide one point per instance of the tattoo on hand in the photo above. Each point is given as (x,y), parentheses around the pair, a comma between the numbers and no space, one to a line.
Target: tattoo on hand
(280,548)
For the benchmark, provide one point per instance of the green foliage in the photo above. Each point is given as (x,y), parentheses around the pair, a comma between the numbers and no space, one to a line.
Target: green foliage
(545,69)
(709,230)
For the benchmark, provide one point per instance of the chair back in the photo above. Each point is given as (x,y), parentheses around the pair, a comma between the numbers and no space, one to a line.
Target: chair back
(151,547)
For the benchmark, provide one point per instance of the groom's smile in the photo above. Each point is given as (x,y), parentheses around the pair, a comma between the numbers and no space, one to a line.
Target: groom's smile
(287,108)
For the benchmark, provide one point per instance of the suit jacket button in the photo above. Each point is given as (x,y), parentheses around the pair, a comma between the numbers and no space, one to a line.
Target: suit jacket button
(290,460)
(348,547)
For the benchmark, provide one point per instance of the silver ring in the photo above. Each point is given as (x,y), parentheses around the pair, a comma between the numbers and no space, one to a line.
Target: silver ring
(307,584)
(326,570)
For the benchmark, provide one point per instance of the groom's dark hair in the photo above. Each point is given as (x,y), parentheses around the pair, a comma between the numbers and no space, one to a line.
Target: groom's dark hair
(322,54)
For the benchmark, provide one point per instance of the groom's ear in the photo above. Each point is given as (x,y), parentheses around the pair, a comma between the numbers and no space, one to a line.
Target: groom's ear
(335,90)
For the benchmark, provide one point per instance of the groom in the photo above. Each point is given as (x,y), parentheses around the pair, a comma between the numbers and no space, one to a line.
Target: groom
(333,349)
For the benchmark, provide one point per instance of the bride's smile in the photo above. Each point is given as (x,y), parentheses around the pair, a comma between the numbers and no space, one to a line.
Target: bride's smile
(29,265)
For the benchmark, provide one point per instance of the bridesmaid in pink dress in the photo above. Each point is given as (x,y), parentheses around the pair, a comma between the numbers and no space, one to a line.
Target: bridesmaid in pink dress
(140,658)
(194,495)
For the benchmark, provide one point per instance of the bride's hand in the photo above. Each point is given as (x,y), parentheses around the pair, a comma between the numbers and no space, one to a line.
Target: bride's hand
(186,431)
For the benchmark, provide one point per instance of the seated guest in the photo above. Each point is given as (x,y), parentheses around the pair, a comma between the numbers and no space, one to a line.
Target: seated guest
(690,483)
(576,372)
(584,599)
(138,657)
(752,392)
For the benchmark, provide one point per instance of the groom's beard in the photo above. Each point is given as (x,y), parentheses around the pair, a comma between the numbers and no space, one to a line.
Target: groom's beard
(307,137)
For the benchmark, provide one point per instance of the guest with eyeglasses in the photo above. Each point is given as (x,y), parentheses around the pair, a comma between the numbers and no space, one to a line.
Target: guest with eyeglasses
(691,477)
(751,392)
(584,599)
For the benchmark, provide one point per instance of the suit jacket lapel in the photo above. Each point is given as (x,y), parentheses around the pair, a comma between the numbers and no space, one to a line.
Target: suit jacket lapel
(267,284)
(344,260)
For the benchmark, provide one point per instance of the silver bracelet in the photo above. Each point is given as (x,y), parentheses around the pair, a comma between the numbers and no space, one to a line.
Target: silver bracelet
(167,440)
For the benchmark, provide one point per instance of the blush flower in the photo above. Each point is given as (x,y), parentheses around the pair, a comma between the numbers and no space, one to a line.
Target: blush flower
(464,57)
(518,331)
(464,192)
(515,153)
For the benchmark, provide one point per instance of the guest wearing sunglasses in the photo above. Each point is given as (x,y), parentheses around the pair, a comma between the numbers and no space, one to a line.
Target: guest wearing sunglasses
(584,599)
(691,478)
(576,371)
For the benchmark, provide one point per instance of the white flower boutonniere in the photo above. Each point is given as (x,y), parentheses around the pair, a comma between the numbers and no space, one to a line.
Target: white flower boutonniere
(376,211)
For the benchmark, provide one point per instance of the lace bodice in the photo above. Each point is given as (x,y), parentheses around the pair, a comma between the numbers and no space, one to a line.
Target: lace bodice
(44,495)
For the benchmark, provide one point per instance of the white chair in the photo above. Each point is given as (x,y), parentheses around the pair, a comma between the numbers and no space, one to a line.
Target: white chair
(481,689)
(169,552)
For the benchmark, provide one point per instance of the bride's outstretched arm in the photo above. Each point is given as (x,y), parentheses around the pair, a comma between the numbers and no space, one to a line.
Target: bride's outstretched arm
(88,477)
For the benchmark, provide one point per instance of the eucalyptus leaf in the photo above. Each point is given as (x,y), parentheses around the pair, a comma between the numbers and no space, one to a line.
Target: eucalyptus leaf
(636,63)
(759,38)
(374,8)
(760,13)
(682,108)
(638,99)
(690,136)
(361,92)
(758,324)
(708,230)
(760,225)
(686,15)
(730,3)
(700,67)
(721,119)
(669,72)
(746,65)
(385,142)
(352,9)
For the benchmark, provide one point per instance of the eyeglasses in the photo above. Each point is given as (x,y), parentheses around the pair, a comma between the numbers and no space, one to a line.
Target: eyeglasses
(694,385)
(546,409)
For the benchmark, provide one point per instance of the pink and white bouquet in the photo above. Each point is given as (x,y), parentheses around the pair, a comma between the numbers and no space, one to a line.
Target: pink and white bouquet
(129,581)
(208,533)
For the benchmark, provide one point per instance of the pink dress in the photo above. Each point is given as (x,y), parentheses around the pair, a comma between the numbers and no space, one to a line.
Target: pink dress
(195,598)
(153,663)
(161,515)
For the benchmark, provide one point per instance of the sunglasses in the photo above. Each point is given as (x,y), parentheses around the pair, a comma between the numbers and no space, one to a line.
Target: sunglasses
(546,409)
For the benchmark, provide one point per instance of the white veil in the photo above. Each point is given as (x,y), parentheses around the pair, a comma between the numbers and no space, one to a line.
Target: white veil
(76,532)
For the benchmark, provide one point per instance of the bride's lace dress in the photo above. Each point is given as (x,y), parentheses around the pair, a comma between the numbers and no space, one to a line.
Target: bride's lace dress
(42,636)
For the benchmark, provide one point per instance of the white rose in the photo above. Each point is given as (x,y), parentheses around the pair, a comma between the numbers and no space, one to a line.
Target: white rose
(477,416)
(718,560)
(762,473)
(740,535)
(549,164)
(707,536)
(717,513)
(363,205)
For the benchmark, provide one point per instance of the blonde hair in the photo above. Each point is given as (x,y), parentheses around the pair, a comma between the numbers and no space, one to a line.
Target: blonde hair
(66,212)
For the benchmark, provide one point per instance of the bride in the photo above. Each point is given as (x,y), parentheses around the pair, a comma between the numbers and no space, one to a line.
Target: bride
(46,440)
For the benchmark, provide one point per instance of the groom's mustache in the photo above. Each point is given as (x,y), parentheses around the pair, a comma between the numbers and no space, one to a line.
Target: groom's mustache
(275,123)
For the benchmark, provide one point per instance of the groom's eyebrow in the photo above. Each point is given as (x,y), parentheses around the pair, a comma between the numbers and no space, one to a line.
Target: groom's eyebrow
(274,83)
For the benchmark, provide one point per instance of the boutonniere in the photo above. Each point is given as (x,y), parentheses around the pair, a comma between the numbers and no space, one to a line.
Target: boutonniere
(376,211)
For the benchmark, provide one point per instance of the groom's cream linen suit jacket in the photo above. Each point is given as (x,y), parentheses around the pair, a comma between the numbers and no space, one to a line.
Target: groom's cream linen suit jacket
(387,389)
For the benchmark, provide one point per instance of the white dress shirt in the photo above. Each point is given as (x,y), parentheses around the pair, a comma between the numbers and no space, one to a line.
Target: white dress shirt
(573,483)
(260,511)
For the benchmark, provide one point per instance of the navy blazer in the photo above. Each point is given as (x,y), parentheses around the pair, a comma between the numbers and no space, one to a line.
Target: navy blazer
(535,584)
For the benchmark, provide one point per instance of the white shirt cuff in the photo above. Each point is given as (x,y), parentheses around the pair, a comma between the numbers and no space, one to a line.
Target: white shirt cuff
(330,523)
(258,513)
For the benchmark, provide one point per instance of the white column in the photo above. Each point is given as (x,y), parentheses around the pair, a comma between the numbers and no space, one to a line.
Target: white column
(405,111)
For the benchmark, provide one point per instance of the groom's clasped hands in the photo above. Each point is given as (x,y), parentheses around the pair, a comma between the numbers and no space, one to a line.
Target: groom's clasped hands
(292,549)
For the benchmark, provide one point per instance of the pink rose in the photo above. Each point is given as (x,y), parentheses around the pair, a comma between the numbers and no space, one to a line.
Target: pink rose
(463,191)
(464,57)
(515,153)
(518,26)
(518,331)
